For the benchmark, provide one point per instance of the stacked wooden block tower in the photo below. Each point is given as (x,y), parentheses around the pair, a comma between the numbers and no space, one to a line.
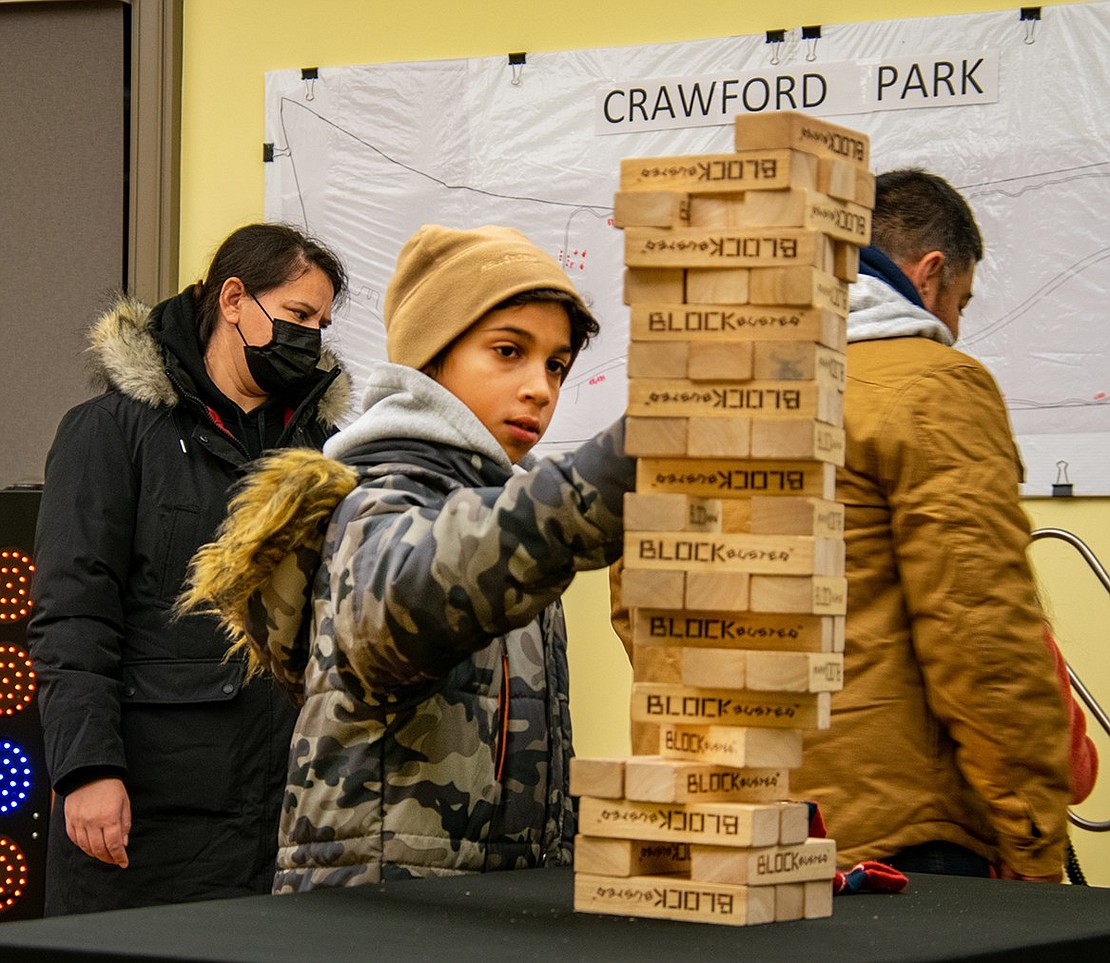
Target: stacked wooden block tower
(737,273)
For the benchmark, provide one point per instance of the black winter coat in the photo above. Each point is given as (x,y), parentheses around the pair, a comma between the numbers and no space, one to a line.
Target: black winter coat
(137,479)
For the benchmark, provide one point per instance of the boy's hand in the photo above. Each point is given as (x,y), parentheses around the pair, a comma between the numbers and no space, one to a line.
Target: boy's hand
(98,820)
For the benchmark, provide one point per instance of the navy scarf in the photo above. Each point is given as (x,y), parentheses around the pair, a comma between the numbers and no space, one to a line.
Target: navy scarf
(874,263)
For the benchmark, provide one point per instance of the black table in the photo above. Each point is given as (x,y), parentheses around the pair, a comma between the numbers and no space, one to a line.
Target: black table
(528,915)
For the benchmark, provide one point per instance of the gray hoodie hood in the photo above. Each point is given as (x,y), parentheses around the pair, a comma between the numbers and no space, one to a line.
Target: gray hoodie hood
(877,311)
(401,402)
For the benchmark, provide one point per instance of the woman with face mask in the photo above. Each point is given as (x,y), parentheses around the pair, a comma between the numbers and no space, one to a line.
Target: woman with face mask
(168,768)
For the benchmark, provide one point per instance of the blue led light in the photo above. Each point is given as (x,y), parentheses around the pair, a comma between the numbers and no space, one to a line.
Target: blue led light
(15,777)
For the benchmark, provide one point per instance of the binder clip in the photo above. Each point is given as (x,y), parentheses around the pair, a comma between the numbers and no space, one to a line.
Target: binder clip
(776,38)
(516,62)
(1061,488)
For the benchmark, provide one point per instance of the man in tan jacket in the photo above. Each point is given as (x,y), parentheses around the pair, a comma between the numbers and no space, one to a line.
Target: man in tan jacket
(948,746)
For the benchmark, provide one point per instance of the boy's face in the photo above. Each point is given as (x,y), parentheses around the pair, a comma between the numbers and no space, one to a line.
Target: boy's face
(508,369)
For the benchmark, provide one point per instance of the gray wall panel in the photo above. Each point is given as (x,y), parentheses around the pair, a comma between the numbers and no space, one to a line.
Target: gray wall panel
(62,211)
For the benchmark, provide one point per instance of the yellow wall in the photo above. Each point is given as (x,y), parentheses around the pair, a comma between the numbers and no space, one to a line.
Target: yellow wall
(228,47)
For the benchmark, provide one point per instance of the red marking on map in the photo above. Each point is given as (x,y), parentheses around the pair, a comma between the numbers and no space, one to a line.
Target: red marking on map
(569,258)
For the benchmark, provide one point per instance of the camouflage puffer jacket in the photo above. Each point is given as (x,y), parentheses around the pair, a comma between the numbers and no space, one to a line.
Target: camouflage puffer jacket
(434,735)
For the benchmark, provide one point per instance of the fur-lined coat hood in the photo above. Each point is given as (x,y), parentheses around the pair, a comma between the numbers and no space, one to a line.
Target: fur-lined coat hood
(150,355)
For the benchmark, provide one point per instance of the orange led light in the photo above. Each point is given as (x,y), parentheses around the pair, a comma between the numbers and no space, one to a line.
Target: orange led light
(13,873)
(15,585)
(17,679)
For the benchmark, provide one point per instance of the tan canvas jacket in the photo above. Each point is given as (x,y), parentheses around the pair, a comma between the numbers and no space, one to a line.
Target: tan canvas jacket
(951,724)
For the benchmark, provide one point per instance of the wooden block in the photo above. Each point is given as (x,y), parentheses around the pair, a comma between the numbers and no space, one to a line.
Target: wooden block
(790,902)
(645,738)
(723,552)
(784,208)
(798,438)
(670,898)
(720,173)
(715,668)
(845,264)
(717,361)
(735,478)
(654,437)
(818,899)
(658,359)
(792,516)
(597,777)
(671,511)
(798,361)
(865,188)
(717,324)
(793,823)
(716,824)
(826,255)
(651,209)
(801,286)
(762,671)
(736,514)
(813,859)
(646,513)
(762,631)
(684,398)
(656,664)
(791,671)
(732,746)
(839,219)
(629,857)
(717,285)
(717,210)
(717,591)
(665,703)
(652,285)
(704,514)
(846,181)
(655,779)
(693,247)
(800,131)
(837,178)
(718,437)
(643,589)
(819,595)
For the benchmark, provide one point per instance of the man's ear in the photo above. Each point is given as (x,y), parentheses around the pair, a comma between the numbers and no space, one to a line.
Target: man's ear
(231,297)
(925,275)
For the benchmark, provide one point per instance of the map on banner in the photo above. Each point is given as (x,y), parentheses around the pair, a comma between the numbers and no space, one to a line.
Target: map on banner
(1011,112)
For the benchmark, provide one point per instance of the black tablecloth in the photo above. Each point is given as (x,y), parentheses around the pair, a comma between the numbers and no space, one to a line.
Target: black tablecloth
(528,916)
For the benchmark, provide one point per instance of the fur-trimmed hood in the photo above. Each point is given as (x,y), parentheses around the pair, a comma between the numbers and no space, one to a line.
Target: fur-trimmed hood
(256,575)
(128,346)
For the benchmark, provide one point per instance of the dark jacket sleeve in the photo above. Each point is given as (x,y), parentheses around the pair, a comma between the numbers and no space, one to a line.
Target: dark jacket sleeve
(82,550)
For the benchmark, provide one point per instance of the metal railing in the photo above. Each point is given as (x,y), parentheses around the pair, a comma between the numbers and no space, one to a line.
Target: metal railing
(1096,710)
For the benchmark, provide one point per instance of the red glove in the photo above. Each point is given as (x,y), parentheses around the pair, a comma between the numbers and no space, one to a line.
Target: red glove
(869,877)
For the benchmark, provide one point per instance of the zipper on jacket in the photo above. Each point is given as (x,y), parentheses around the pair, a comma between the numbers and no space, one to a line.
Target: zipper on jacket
(503,713)
(198,403)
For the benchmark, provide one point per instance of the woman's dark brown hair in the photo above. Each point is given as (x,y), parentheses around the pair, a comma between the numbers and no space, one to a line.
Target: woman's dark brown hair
(262,256)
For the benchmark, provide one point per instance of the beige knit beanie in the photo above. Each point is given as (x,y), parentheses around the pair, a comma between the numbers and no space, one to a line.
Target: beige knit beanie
(447,279)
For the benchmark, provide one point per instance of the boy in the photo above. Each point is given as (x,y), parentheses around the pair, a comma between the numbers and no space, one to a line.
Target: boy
(422,632)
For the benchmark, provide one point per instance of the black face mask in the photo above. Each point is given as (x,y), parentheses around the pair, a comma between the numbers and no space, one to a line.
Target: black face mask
(287,359)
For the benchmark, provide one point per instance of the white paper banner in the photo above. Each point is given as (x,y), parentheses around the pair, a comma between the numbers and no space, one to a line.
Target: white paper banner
(365,155)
